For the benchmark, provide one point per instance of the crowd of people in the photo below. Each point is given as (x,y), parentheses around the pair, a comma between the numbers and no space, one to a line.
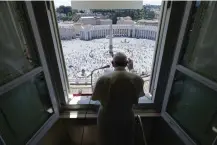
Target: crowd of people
(81,57)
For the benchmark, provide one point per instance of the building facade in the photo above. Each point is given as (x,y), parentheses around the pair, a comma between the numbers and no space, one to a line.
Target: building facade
(67,31)
(89,32)
(94,21)
(133,31)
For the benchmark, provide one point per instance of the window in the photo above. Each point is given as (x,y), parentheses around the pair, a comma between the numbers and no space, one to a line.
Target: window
(26,94)
(190,99)
(35,74)
(17,55)
(89,38)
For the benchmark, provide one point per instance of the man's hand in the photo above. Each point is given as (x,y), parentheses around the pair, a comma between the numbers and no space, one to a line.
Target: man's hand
(130,64)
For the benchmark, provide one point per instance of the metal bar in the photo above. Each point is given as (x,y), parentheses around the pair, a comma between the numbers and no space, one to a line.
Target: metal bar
(177,53)
(178,130)
(143,132)
(197,77)
(16,82)
(43,130)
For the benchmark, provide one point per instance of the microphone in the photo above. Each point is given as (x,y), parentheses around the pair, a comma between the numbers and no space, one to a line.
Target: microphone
(91,74)
(107,66)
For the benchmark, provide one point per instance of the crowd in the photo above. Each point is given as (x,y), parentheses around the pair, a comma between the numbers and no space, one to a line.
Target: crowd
(87,55)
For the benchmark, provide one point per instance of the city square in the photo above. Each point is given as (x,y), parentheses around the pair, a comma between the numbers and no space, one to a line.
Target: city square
(89,55)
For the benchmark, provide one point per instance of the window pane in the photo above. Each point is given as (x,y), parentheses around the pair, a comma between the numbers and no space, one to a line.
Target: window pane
(201,49)
(194,107)
(15,53)
(91,37)
(23,110)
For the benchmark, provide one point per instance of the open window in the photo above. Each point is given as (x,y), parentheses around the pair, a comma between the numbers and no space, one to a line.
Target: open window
(83,45)
(27,99)
(34,81)
(190,103)
(86,35)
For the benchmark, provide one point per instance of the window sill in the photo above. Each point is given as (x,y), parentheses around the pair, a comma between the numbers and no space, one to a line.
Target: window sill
(86,99)
(92,114)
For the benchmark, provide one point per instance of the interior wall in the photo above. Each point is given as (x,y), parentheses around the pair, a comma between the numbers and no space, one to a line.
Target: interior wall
(81,128)
(75,128)
(69,132)
(57,135)
(162,134)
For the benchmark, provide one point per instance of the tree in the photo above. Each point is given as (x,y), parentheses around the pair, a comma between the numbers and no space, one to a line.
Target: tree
(60,9)
(136,14)
(142,13)
(151,15)
(67,9)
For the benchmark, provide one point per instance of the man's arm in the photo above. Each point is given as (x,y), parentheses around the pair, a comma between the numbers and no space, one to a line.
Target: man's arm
(140,87)
(99,89)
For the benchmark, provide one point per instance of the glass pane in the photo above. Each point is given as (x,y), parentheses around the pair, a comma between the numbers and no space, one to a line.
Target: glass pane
(23,110)
(194,107)
(90,38)
(15,53)
(201,49)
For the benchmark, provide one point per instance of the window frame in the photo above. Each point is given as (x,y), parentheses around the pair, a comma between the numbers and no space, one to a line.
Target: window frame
(158,67)
(60,58)
(50,122)
(165,13)
(43,67)
(2,140)
(172,123)
(160,43)
(176,66)
(168,36)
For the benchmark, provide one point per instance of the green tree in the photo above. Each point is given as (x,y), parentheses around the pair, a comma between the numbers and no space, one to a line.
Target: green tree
(67,9)
(151,15)
(60,9)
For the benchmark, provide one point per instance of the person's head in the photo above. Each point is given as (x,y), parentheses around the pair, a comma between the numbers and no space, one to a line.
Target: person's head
(82,72)
(119,60)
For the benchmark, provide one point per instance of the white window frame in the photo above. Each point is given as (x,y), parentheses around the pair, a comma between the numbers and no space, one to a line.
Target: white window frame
(160,42)
(58,49)
(25,77)
(187,72)
(165,13)
(50,122)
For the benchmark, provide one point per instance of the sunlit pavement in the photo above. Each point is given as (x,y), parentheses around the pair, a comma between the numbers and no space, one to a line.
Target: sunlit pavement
(86,100)
(86,89)
(92,54)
